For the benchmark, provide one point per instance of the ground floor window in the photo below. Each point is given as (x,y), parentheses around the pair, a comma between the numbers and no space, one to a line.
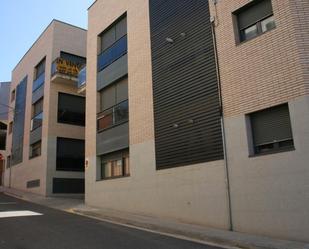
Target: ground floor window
(35,150)
(115,165)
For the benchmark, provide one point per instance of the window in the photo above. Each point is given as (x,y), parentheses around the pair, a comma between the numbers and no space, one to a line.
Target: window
(70,154)
(39,75)
(114,105)
(271,130)
(13,94)
(35,150)
(254,19)
(40,69)
(115,165)
(113,44)
(37,114)
(10,127)
(71,109)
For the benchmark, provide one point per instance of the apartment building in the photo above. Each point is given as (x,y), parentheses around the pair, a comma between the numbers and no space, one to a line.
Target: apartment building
(45,142)
(4,112)
(199,111)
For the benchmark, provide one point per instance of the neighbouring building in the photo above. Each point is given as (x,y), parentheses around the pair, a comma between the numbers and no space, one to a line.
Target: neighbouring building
(45,139)
(4,112)
(199,111)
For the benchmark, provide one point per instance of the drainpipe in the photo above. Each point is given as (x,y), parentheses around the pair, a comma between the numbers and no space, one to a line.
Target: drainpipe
(226,166)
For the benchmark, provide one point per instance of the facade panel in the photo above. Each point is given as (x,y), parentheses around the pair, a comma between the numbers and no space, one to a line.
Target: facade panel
(186,97)
(19,123)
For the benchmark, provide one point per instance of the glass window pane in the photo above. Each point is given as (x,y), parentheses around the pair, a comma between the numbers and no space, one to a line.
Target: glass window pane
(36,121)
(70,154)
(122,112)
(122,90)
(71,109)
(121,28)
(250,32)
(108,97)
(108,38)
(117,168)
(126,165)
(268,24)
(106,170)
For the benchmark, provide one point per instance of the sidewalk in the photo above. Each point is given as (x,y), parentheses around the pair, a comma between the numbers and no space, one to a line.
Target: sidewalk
(168,227)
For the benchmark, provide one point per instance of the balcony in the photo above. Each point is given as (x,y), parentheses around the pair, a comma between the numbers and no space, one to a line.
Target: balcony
(36,121)
(113,116)
(39,81)
(64,71)
(81,83)
(108,56)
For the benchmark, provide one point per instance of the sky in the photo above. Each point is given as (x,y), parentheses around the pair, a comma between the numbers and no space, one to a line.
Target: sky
(22,21)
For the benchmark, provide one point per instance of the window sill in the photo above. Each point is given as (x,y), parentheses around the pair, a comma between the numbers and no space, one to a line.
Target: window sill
(112,178)
(276,151)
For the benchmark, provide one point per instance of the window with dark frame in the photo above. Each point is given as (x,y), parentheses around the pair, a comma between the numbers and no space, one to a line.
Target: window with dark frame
(39,75)
(70,154)
(37,114)
(114,105)
(40,69)
(254,19)
(115,165)
(13,95)
(113,43)
(271,130)
(35,149)
(71,109)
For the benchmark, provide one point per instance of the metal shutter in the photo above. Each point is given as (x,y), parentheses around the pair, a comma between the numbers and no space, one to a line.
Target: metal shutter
(254,13)
(271,125)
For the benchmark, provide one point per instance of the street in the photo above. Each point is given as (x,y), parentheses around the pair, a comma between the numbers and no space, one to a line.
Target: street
(25,225)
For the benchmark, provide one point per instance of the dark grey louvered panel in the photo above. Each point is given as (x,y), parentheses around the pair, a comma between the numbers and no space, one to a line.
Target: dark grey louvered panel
(19,122)
(254,12)
(186,98)
(271,125)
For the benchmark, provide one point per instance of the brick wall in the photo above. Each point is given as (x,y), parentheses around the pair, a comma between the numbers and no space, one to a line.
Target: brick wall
(269,69)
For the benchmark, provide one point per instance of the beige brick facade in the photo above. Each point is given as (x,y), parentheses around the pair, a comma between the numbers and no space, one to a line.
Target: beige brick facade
(268,193)
(269,69)
(58,36)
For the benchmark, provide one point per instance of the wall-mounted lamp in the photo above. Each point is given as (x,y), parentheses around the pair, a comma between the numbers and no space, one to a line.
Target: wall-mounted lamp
(169,40)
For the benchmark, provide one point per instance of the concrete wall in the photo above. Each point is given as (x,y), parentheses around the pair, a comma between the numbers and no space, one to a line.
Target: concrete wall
(194,193)
(269,193)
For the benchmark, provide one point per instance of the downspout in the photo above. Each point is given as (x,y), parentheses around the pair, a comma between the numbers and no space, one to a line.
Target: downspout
(226,166)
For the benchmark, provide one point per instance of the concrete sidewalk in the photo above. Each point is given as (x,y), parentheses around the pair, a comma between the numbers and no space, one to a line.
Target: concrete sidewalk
(168,227)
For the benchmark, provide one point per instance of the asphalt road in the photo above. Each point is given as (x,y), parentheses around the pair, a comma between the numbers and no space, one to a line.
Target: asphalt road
(54,229)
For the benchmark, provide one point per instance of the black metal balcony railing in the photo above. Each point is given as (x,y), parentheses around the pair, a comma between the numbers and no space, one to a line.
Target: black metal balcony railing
(38,82)
(113,53)
(115,115)
(36,121)
(66,67)
(81,78)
